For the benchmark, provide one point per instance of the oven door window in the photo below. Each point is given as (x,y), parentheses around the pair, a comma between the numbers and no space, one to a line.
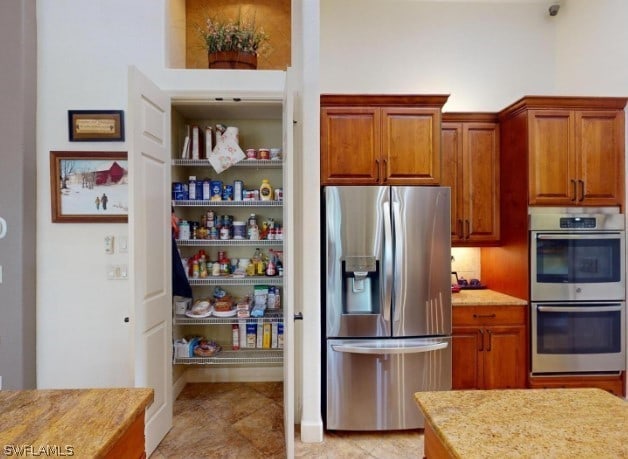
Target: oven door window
(577,260)
(582,332)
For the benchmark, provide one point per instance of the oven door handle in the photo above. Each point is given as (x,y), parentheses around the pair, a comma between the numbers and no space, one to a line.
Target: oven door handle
(578,308)
(596,235)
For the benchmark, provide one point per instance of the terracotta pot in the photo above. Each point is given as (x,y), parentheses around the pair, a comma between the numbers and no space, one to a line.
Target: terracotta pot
(232,60)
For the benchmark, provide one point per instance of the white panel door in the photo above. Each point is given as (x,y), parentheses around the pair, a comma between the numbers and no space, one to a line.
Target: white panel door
(289,265)
(151,270)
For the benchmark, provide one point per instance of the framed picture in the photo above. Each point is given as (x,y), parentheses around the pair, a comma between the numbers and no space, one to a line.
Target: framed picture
(96,125)
(89,186)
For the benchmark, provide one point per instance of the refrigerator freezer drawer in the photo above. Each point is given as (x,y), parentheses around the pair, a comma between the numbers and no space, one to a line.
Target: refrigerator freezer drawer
(371,383)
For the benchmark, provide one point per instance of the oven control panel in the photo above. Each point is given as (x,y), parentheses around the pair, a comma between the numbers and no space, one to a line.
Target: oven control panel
(578,223)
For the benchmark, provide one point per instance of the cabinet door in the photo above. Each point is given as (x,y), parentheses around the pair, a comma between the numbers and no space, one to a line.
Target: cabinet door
(451,155)
(504,359)
(411,146)
(599,146)
(466,367)
(350,145)
(552,162)
(480,177)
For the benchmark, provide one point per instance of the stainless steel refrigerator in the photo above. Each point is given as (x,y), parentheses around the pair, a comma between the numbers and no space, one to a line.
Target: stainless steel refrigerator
(387,303)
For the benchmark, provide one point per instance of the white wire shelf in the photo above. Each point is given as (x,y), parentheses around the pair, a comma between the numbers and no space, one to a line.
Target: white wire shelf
(254,163)
(229,242)
(230,357)
(208,203)
(230,280)
(269,317)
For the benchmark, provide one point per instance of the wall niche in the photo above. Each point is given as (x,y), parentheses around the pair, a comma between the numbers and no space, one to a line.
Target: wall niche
(186,48)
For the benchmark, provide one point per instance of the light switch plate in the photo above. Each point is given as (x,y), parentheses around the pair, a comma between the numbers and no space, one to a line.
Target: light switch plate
(109,244)
(123,244)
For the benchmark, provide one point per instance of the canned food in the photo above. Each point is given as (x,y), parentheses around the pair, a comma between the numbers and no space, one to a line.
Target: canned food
(237,190)
(210,220)
(278,194)
(224,233)
(251,153)
(239,230)
(263,153)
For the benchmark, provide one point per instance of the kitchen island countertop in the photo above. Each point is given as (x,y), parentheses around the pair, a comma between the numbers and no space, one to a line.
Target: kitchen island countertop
(485,297)
(574,423)
(69,422)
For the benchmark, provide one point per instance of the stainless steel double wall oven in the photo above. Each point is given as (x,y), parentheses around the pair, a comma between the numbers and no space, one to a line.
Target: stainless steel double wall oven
(578,290)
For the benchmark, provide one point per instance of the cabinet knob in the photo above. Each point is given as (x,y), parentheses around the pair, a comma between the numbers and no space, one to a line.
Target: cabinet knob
(298,316)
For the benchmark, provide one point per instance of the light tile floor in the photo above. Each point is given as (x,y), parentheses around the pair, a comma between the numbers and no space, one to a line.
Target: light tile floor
(245,420)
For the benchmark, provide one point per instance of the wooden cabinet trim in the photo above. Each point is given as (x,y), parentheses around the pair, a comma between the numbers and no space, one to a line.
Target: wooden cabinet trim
(423,100)
(468,117)
(564,102)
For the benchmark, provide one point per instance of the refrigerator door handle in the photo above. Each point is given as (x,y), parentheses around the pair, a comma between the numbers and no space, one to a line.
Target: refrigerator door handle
(369,348)
(400,249)
(388,272)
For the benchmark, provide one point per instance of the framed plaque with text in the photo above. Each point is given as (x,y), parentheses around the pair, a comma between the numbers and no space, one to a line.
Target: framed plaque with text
(96,125)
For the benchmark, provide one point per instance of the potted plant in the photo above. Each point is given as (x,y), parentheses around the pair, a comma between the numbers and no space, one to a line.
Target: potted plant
(233,44)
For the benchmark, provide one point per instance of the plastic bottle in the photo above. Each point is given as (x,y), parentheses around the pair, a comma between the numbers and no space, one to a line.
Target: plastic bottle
(184,230)
(235,332)
(192,187)
(265,191)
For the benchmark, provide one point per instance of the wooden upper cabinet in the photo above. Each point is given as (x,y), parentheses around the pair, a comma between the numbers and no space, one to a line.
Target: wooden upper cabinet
(470,156)
(575,149)
(350,144)
(381,139)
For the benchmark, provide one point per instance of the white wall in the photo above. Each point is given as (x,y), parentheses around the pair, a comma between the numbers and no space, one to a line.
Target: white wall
(592,48)
(84,49)
(485,54)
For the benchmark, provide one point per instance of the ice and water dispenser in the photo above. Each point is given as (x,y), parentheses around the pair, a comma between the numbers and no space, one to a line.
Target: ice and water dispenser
(360,285)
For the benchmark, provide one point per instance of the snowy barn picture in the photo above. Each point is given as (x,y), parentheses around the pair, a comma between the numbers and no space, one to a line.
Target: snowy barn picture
(91,186)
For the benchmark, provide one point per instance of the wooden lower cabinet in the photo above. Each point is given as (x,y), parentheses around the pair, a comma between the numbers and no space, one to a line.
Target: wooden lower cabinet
(489,349)
(131,443)
(611,383)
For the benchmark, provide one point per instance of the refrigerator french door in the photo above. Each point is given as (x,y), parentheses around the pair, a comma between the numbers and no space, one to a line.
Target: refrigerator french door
(387,303)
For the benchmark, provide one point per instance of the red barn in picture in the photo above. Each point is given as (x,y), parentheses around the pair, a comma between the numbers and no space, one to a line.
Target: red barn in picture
(111,175)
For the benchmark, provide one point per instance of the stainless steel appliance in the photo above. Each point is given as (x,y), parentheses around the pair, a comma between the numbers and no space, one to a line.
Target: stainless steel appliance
(387,303)
(577,256)
(578,291)
(587,337)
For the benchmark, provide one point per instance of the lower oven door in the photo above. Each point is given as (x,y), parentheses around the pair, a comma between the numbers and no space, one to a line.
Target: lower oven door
(578,337)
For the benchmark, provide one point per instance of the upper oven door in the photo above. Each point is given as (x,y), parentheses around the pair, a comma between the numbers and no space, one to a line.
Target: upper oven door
(585,266)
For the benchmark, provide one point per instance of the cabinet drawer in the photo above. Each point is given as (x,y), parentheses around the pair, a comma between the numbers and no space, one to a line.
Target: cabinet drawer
(488,315)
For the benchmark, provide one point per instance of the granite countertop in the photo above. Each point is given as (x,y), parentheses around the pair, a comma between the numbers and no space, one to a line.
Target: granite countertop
(484,297)
(587,423)
(89,421)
